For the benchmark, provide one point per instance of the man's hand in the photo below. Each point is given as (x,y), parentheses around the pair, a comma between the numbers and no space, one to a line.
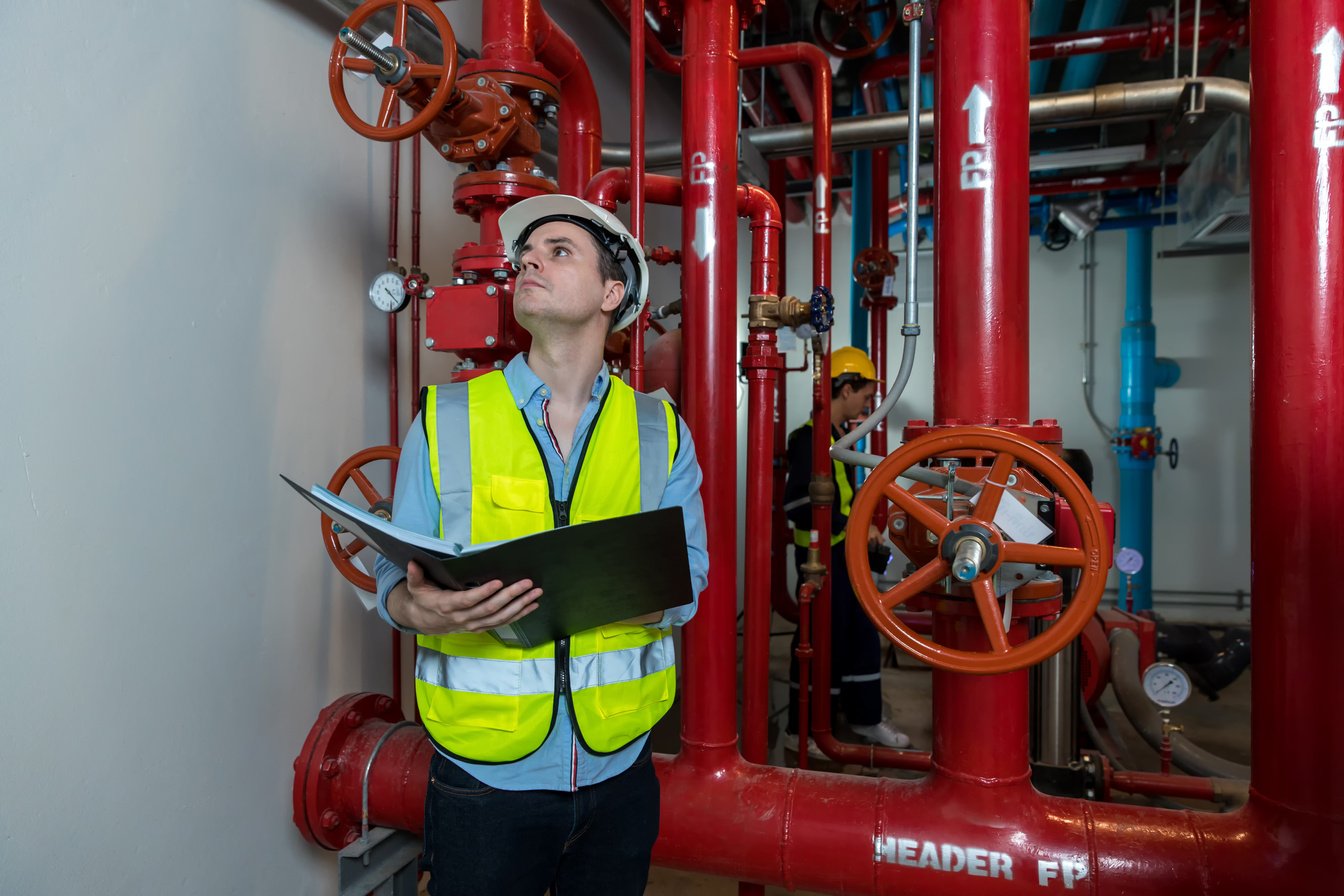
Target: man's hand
(420,604)
(874,535)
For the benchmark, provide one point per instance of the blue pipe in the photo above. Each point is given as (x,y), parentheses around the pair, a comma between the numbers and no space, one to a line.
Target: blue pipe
(1046,16)
(860,207)
(1141,374)
(1082,72)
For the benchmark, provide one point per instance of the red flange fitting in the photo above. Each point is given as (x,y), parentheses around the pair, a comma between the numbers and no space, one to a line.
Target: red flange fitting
(354,743)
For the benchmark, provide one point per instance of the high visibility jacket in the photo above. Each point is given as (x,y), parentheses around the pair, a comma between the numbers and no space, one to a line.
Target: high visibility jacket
(484,701)
(802,537)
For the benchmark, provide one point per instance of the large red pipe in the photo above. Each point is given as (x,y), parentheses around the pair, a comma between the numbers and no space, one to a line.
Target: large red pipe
(580,116)
(853,834)
(637,178)
(709,282)
(980,322)
(1153,37)
(1297,402)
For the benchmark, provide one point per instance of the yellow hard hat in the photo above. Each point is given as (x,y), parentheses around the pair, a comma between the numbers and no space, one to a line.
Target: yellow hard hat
(852,360)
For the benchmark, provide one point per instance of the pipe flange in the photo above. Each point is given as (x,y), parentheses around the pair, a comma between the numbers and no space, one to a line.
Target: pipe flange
(319,770)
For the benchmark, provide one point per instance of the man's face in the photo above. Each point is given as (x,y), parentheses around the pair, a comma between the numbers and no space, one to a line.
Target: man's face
(559,280)
(856,402)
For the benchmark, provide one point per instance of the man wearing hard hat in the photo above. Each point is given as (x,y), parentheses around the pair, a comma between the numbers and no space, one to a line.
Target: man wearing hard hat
(856,650)
(542,777)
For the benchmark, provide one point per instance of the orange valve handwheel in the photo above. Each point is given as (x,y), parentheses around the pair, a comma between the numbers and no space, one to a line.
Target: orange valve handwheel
(395,67)
(972,548)
(872,267)
(353,471)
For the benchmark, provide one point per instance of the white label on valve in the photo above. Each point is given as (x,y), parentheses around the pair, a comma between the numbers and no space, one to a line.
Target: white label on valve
(1016,521)
(382,42)
(889,285)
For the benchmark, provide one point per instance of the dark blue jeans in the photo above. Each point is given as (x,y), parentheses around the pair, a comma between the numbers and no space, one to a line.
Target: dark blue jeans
(485,842)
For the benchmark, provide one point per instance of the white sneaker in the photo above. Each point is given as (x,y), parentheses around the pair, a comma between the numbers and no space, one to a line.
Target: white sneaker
(791,744)
(883,733)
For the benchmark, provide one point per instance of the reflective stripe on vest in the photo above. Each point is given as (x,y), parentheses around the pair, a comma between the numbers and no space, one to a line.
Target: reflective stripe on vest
(803,537)
(488,702)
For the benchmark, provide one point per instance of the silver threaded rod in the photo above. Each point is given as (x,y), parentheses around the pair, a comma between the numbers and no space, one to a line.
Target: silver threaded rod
(386,62)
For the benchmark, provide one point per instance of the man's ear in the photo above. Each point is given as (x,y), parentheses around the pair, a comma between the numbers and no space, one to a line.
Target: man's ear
(615,294)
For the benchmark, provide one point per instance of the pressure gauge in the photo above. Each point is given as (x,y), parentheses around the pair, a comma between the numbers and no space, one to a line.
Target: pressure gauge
(387,292)
(1127,560)
(1166,684)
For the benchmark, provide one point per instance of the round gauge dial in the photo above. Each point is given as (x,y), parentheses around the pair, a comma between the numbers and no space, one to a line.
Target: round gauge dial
(1128,561)
(1166,684)
(387,292)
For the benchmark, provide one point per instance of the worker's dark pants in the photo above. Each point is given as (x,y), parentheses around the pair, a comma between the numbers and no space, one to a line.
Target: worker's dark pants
(596,840)
(856,652)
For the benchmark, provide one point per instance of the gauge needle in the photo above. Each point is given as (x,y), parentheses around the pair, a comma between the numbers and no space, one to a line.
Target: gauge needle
(389,292)
(1165,686)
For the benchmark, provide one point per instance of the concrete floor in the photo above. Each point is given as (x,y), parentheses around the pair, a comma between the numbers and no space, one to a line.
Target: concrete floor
(1221,726)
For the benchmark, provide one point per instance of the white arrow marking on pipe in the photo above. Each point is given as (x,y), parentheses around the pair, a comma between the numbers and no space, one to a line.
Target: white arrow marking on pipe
(822,195)
(704,237)
(1331,51)
(976,105)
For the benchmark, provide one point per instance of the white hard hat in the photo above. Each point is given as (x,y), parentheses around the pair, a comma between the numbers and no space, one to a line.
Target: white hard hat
(518,222)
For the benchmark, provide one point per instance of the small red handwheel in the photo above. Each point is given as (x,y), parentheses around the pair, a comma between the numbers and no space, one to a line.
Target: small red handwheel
(872,267)
(974,564)
(408,69)
(849,21)
(353,471)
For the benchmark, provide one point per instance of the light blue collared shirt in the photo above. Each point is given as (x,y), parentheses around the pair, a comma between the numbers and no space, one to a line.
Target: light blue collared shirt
(561,763)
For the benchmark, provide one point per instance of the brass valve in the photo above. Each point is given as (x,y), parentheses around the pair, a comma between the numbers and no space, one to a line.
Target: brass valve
(775,312)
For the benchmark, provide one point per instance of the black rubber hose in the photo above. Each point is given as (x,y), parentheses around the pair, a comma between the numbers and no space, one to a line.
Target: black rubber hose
(1125,678)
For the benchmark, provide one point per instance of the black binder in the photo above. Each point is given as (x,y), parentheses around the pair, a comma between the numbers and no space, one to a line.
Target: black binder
(591,574)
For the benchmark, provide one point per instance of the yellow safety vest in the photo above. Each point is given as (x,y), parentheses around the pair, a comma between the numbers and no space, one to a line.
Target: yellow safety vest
(803,537)
(486,702)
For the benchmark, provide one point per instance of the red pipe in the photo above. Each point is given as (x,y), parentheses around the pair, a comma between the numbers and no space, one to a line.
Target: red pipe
(780,598)
(659,55)
(819,66)
(415,266)
(980,325)
(761,363)
(853,834)
(709,281)
(878,237)
(1152,784)
(580,116)
(637,178)
(393,396)
(1297,401)
(1154,37)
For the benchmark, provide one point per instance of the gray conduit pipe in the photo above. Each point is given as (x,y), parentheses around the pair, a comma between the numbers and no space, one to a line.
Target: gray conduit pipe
(1074,108)
(1126,679)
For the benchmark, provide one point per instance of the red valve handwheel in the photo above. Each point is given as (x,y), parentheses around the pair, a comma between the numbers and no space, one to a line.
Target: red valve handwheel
(872,267)
(854,20)
(445,74)
(1093,558)
(352,471)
